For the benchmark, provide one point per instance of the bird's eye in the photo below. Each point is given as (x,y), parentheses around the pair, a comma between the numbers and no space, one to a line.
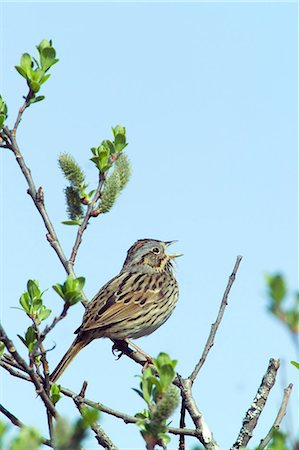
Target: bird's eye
(156,250)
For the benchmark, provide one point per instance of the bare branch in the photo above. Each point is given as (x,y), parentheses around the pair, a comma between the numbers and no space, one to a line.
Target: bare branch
(87,216)
(204,434)
(215,325)
(280,415)
(252,415)
(29,370)
(14,420)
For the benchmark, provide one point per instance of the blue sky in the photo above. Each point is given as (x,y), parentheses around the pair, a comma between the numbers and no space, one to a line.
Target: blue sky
(208,94)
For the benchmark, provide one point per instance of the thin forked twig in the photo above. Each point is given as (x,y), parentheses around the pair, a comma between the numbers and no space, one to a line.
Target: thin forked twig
(280,415)
(87,216)
(100,435)
(215,325)
(253,413)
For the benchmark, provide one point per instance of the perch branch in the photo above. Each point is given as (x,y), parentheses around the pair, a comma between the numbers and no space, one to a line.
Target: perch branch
(253,413)
(215,325)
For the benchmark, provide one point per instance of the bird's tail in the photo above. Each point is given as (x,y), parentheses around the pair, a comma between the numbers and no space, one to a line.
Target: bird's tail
(68,357)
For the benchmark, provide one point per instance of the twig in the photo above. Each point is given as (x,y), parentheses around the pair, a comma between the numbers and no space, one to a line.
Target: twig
(29,370)
(182,425)
(38,199)
(50,327)
(215,325)
(25,105)
(204,434)
(120,415)
(14,372)
(105,409)
(51,236)
(87,216)
(100,435)
(257,406)
(15,421)
(280,415)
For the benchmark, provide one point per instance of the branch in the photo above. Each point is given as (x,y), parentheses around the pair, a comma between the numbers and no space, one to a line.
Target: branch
(50,327)
(87,216)
(252,415)
(15,421)
(182,425)
(38,200)
(29,370)
(215,325)
(105,409)
(25,105)
(120,415)
(280,415)
(204,434)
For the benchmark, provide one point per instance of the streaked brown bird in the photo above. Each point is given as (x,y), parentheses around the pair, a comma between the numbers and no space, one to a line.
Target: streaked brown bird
(131,305)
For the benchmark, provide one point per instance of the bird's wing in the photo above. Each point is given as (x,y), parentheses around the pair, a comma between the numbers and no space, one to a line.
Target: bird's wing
(125,296)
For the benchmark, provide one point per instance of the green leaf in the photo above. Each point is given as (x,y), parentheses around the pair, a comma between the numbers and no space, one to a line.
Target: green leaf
(80,282)
(277,287)
(33,289)
(90,415)
(44,313)
(26,63)
(36,99)
(37,75)
(35,87)
(167,375)
(36,304)
(21,71)
(27,439)
(120,142)
(118,130)
(71,222)
(25,302)
(55,395)
(45,78)
(30,335)
(22,339)
(58,288)
(295,364)
(138,391)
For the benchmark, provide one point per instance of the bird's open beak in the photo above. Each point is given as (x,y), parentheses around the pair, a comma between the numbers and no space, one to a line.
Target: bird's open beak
(170,242)
(173,255)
